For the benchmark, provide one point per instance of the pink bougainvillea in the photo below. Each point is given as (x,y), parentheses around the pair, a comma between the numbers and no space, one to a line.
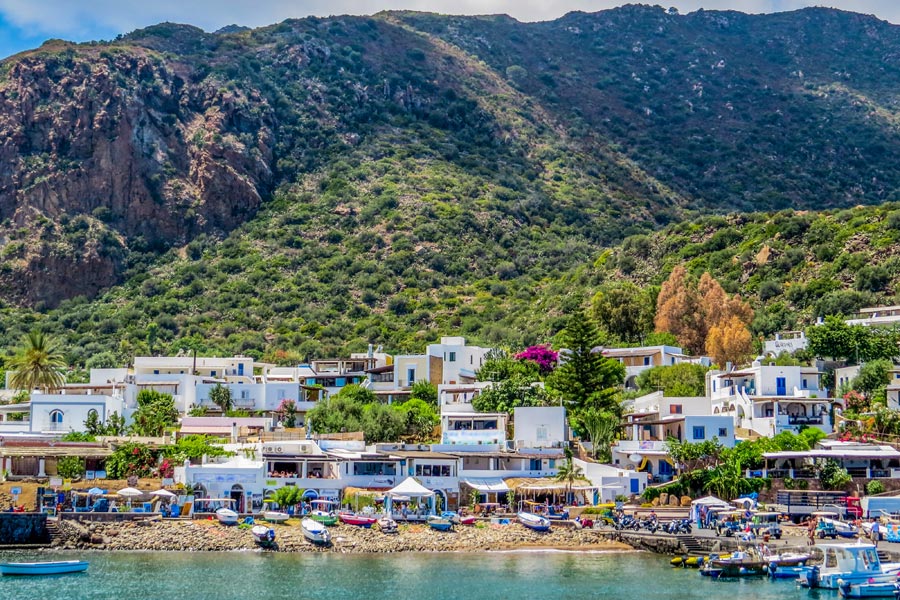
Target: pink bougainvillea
(542,355)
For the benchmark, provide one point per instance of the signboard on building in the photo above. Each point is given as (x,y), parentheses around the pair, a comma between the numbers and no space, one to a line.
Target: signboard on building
(56,482)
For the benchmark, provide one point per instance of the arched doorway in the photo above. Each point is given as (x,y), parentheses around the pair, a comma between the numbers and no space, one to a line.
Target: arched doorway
(237,494)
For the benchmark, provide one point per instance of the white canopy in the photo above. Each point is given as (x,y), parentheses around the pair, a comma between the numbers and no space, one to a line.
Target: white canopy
(489,485)
(130,492)
(710,501)
(411,487)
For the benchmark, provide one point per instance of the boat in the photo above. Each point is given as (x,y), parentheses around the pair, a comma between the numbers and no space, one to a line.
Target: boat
(451,516)
(534,522)
(850,564)
(440,522)
(323,512)
(467,520)
(275,516)
(357,520)
(387,525)
(788,559)
(737,564)
(829,526)
(263,535)
(226,516)
(869,590)
(44,568)
(315,531)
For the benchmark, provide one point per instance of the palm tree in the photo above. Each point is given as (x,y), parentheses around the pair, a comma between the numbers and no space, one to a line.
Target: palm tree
(221,397)
(38,364)
(569,473)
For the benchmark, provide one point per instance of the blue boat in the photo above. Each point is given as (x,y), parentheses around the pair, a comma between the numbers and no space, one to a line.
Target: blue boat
(848,564)
(44,568)
(440,523)
(534,522)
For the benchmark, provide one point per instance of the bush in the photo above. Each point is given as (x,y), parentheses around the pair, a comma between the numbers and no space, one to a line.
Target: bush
(874,487)
(70,467)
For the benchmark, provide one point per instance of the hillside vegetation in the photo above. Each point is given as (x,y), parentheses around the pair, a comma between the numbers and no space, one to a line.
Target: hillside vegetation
(313,186)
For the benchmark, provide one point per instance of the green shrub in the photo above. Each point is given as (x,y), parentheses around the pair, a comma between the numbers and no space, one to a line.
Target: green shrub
(874,487)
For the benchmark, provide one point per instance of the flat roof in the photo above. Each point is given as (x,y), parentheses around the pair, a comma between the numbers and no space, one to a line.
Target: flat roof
(877,452)
(423,454)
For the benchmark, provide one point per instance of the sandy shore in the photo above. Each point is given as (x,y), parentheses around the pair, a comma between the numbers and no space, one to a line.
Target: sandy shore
(211,536)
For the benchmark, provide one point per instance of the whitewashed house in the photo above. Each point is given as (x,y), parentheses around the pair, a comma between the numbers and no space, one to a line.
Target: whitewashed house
(638,360)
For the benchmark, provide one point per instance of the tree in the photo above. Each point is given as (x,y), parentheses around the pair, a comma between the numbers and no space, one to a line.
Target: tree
(873,378)
(130,459)
(569,473)
(221,397)
(287,496)
(114,425)
(623,310)
(287,412)
(156,412)
(498,365)
(382,423)
(603,429)
(194,448)
(509,394)
(833,476)
(101,360)
(678,311)
(425,391)
(854,343)
(586,379)
(421,419)
(37,364)
(70,467)
(729,342)
(683,379)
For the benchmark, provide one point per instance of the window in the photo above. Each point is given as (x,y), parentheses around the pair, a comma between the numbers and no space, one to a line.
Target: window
(542,434)
(212,373)
(410,375)
(453,357)
(673,360)
(723,432)
(245,394)
(56,417)
(675,409)
(646,361)
(534,464)
(805,386)
(699,432)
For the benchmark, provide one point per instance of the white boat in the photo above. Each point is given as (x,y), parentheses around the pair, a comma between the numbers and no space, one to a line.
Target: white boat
(226,516)
(387,525)
(263,535)
(534,522)
(274,516)
(43,568)
(870,590)
(846,565)
(315,531)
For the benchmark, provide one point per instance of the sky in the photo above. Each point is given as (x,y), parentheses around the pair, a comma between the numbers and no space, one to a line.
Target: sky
(25,24)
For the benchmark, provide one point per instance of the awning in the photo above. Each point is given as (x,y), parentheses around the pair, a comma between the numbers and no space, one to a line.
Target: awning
(546,484)
(488,485)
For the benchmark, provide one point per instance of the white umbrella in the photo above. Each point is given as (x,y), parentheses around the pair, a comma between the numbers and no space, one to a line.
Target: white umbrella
(163,493)
(130,492)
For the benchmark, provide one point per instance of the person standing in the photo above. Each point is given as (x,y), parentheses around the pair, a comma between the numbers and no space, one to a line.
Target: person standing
(876,532)
(811,531)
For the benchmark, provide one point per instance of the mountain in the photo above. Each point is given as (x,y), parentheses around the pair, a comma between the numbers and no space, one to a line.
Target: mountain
(323,183)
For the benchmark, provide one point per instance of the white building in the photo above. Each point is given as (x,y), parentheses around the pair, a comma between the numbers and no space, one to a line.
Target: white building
(877,316)
(786,341)
(638,360)
(66,411)
(460,362)
(769,399)
(540,427)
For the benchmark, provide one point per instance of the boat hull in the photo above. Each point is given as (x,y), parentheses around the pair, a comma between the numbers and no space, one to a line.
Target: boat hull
(44,568)
(226,516)
(357,520)
(534,522)
(275,516)
(869,590)
(440,523)
(315,532)
(324,518)
(387,525)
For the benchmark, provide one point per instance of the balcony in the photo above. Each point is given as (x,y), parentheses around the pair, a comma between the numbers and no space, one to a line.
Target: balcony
(628,446)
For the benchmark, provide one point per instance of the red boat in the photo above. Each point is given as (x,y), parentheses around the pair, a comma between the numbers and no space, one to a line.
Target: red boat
(358,520)
(467,520)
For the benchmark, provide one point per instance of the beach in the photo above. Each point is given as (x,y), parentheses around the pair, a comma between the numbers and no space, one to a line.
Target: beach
(209,535)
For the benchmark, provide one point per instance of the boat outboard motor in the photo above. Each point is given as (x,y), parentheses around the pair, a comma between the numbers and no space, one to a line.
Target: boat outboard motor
(812,577)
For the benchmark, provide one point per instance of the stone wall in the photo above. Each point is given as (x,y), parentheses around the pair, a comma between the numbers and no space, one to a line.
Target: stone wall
(23,528)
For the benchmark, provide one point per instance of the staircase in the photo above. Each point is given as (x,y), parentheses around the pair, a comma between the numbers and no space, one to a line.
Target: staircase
(691,545)
(884,556)
(54,531)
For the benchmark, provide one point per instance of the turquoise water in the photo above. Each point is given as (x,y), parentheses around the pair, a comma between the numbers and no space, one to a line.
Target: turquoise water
(253,575)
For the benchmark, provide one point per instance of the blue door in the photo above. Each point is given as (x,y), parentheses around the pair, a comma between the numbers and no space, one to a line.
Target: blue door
(780,386)
(634,486)
(240,368)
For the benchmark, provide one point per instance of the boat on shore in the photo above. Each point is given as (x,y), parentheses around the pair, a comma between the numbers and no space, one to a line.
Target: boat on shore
(534,522)
(349,518)
(59,567)
(440,522)
(315,531)
(226,516)
(264,536)
(387,525)
(323,512)
(275,516)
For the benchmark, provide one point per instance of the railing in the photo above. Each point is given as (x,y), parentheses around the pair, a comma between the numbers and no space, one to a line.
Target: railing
(800,420)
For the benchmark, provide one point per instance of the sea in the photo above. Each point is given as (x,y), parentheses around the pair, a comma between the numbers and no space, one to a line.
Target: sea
(519,575)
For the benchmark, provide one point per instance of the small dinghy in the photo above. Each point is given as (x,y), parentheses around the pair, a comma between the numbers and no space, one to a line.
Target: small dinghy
(440,523)
(44,568)
(263,536)
(275,516)
(387,525)
(315,532)
(226,516)
(357,520)
(534,522)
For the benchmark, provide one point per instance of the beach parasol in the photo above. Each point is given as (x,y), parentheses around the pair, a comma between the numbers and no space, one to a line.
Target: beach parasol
(163,494)
(129,492)
(95,491)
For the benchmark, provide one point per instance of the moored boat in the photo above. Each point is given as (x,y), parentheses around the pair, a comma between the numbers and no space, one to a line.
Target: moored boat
(44,568)
(315,531)
(357,520)
(275,516)
(737,564)
(850,564)
(440,523)
(869,590)
(784,571)
(534,522)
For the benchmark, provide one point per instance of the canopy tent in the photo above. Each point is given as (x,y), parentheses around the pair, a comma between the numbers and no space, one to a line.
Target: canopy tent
(408,490)
(551,488)
(489,485)
(710,501)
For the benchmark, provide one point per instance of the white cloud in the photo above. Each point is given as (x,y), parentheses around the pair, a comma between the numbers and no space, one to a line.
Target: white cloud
(85,18)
